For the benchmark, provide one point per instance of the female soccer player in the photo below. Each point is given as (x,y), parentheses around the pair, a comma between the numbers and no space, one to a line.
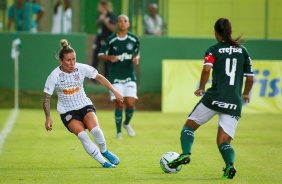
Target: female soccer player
(76,109)
(122,49)
(231,63)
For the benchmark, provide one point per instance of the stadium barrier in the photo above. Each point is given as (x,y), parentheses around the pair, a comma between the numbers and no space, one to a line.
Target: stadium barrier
(37,58)
(180,78)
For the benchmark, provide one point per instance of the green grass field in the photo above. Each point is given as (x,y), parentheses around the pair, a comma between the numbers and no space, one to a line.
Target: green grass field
(32,155)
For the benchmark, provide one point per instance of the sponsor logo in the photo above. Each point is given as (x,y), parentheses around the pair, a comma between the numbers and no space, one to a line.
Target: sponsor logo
(230,50)
(124,56)
(235,117)
(62,77)
(70,91)
(122,81)
(47,88)
(225,105)
(68,117)
(269,84)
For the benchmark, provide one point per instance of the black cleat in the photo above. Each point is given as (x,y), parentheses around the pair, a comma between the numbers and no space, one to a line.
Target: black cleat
(182,159)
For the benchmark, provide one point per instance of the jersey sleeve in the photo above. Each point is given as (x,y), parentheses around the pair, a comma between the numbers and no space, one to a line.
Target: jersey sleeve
(49,85)
(209,57)
(36,8)
(248,68)
(89,71)
(137,46)
(105,48)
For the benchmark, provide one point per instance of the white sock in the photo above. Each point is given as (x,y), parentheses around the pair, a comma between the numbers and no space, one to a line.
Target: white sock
(99,138)
(90,147)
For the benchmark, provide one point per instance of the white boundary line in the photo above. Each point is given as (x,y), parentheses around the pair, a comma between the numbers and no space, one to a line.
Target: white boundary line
(8,127)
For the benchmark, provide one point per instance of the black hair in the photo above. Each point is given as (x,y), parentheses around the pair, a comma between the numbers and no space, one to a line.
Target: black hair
(223,27)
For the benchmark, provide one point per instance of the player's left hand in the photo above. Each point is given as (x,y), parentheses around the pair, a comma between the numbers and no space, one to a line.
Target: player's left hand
(246,99)
(118,96)
(135,60)
(199,92)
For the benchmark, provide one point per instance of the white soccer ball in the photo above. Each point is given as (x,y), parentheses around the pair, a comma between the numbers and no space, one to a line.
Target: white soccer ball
(166,158)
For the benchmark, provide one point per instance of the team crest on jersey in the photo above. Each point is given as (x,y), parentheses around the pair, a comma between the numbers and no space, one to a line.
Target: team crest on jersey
(62,77)
(76,77)
(129,46)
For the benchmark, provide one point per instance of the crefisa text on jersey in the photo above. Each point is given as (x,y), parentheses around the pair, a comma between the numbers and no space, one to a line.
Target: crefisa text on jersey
(124,56)
(230,50)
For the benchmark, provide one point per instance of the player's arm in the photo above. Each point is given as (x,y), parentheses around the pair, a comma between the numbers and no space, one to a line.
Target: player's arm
(46,108)
(136,59)
(100,78)
(247,88)
(109,25)
(111,58)
(103,54)
(204,78)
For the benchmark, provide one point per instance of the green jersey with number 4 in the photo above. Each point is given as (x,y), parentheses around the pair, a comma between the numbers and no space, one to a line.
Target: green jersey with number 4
(230,64)
(125,49)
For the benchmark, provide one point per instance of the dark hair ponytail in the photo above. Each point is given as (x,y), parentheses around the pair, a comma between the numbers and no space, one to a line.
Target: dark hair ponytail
(223,27)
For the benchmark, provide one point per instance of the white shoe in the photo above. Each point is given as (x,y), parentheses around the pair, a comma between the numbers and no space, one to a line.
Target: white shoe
(119,135)
(129,130)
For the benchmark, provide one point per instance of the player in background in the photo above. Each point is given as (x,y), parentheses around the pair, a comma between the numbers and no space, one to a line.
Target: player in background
(76,109)
(122,49)
(230,62)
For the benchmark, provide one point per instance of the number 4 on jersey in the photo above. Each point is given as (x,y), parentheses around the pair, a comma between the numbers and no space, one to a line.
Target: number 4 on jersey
(231,73)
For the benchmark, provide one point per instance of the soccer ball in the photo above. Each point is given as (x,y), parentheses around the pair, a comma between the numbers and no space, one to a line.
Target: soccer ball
(166,158)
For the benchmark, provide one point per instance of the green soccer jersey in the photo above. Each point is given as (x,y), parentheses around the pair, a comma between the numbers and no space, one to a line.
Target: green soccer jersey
(230,64)
(125,49)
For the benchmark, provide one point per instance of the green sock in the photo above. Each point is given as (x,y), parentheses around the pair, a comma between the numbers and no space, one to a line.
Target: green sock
(118,117)
(227,152)
(128,115)
(187,139)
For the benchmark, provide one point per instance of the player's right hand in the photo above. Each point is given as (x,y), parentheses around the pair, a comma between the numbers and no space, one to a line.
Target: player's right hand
(199,92)
(48,124)
(113,59)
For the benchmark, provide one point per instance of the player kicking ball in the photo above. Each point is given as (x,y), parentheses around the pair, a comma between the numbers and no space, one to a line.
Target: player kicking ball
(230,62)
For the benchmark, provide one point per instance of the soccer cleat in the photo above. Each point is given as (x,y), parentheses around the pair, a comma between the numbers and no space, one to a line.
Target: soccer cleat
(182,159)
(129,130)
(119,135)
(229,172)
(108,165)
(111,157)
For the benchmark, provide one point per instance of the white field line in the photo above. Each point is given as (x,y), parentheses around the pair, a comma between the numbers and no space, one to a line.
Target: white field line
(8,127)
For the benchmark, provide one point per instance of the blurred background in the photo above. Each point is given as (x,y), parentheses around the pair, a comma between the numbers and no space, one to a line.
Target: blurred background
(186,30)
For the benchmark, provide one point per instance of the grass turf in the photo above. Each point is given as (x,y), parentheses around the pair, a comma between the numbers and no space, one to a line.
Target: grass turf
(32,155)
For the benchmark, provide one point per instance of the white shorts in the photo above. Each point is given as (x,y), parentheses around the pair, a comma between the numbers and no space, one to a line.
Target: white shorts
(128,89)
(201,114)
